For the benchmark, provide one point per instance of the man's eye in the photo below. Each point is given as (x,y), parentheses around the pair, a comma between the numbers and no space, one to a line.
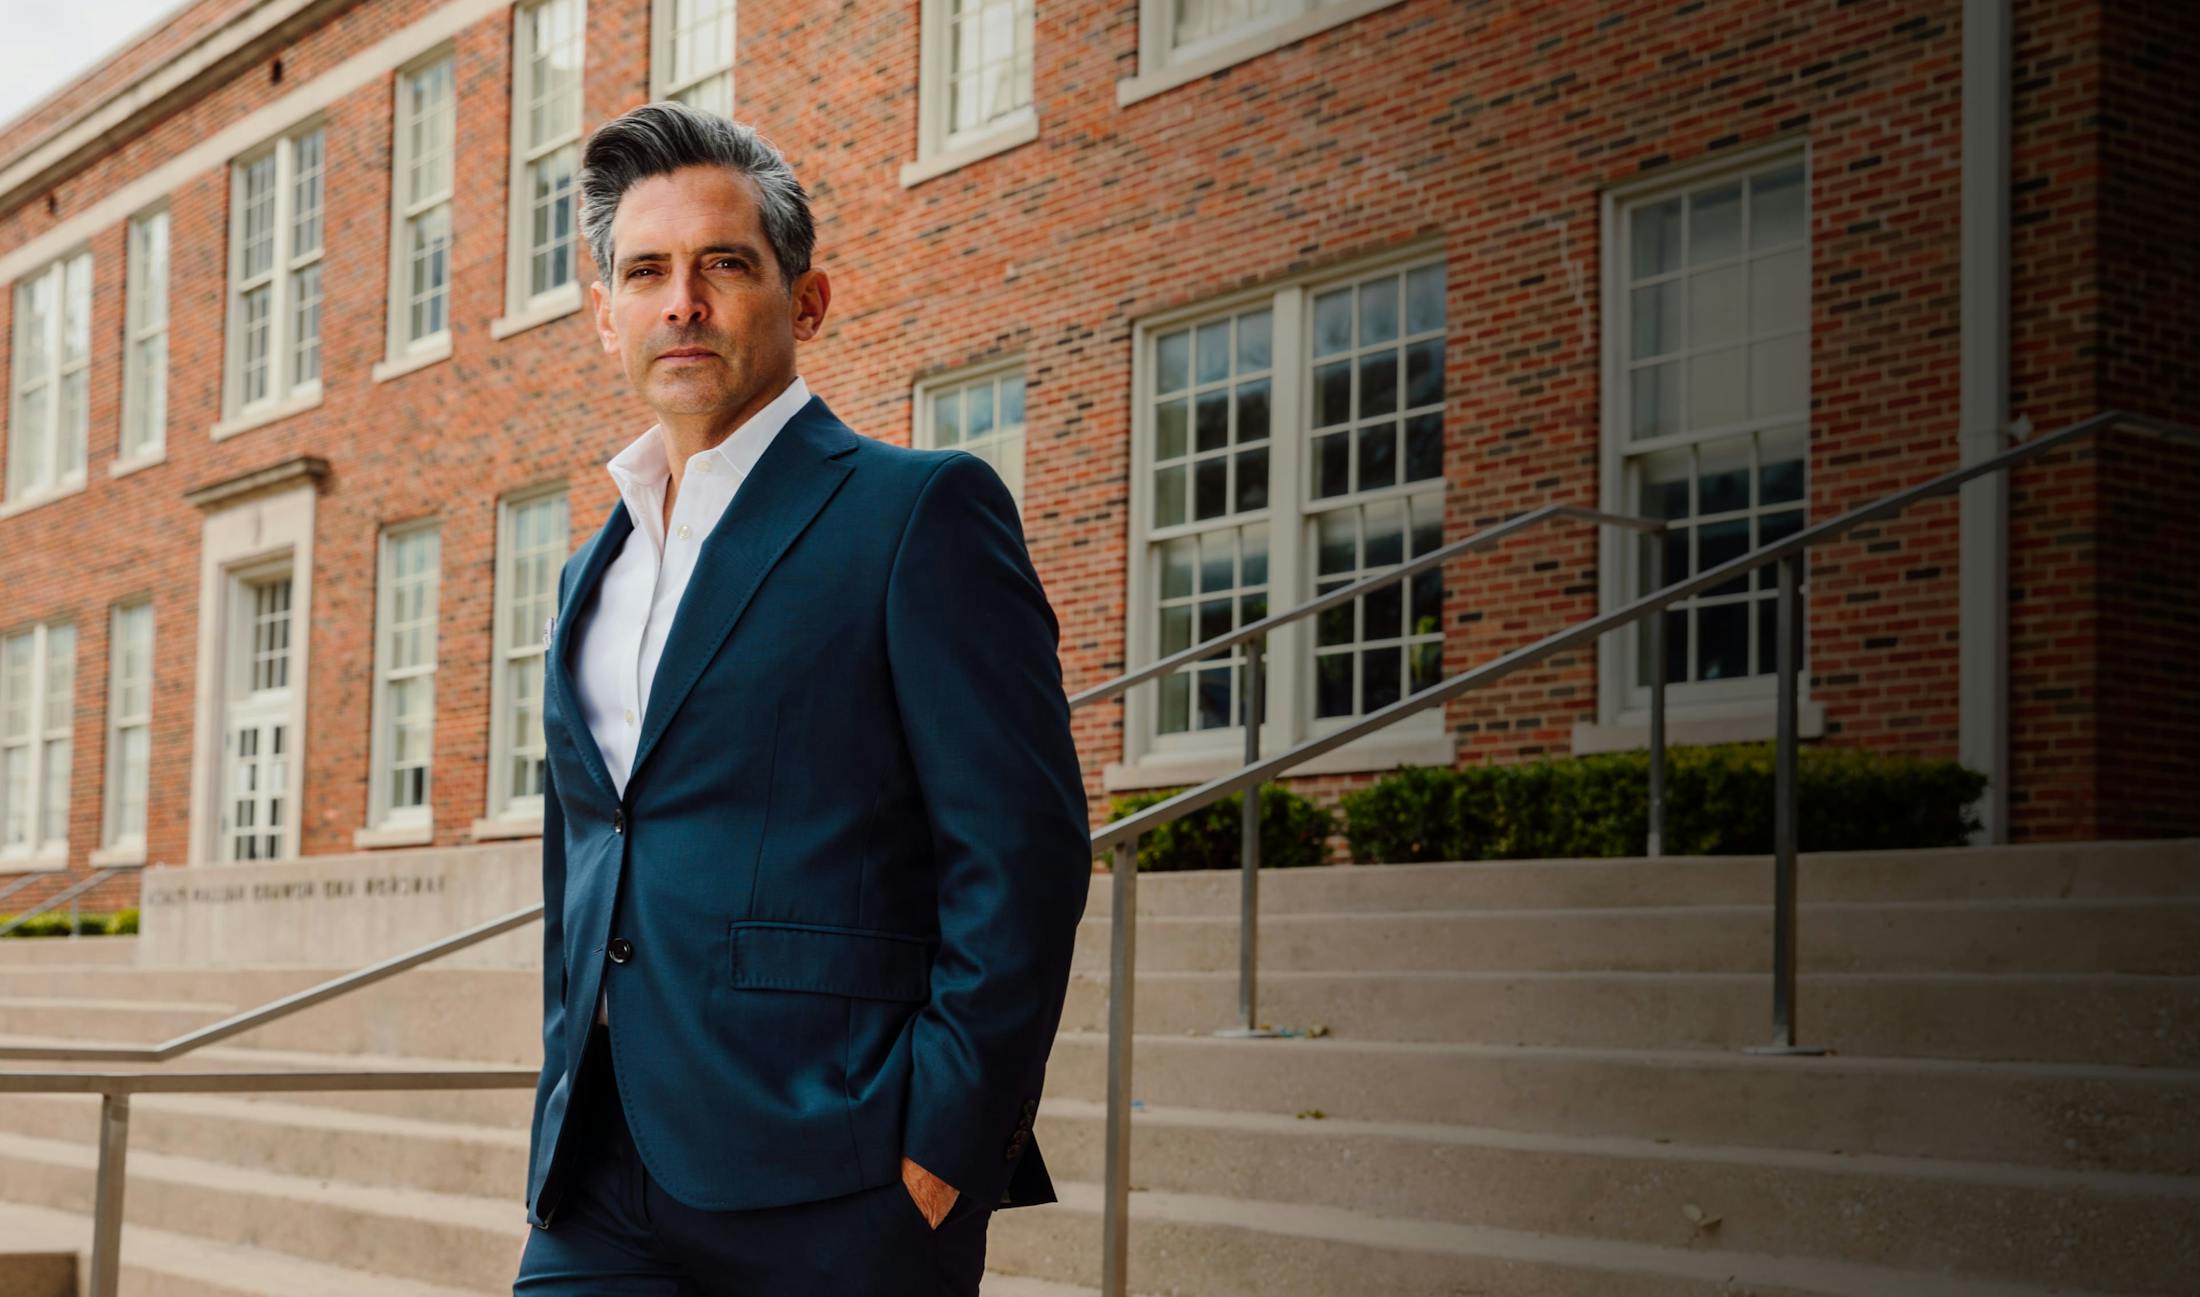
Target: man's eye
(636,271)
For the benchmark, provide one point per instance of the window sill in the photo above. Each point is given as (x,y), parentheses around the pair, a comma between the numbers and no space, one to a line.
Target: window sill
(566,301)
(416,358)
(125,467)
(1377,751)
(402,835)
(1631,730)
(120,854)
(1334,13)
(1018,129)
(305,399)
(30,502)
(493,829)
(48,860)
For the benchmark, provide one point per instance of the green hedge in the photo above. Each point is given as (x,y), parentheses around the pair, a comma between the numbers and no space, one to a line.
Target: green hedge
(1293,831)
(56,923)
(1718,802)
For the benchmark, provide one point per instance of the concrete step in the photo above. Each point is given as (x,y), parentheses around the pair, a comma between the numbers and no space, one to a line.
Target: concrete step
(494,1014)
(162,1263)
(75,951)
(2078,871)
(2131,935)
(2067,1115)
(1181,1242)
(1230,1247)
(2125,1233)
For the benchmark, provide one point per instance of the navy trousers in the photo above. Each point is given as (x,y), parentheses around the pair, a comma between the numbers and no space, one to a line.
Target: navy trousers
(617,1233)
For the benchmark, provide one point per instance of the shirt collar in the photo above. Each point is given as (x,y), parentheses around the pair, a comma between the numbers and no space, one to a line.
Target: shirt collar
(646,461)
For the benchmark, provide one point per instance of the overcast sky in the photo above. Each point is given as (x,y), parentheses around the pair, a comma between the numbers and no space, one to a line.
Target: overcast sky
(51,42)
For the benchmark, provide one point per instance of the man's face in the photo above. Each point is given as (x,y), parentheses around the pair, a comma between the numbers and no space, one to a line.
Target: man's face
(694,273)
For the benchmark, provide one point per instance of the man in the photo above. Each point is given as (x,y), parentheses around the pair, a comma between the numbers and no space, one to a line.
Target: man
(814,833)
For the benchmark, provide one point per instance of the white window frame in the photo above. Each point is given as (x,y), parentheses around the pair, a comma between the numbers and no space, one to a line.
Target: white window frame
(281,704)
(144,436)
(1164,63)
(940,147)
(62,449)
(1005,451)
(285,393)
(524,308)
(408,825)
(405,350)
(1152,759)
(38,851)
(1708,711)
(121,785)
(663,83)
(505,807)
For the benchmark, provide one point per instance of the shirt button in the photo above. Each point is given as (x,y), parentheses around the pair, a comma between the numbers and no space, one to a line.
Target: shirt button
(684,531)
(630,716)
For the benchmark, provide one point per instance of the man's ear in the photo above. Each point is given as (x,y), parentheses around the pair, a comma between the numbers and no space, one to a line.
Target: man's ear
(812,295)
(600,306)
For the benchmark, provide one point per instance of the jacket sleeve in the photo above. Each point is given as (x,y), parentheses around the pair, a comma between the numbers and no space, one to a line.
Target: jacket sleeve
(971,643)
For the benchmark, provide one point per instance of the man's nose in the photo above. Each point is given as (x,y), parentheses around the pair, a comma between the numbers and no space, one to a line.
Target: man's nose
(686,301)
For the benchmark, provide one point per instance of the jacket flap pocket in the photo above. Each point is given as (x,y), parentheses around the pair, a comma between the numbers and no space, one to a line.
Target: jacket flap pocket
(835,961)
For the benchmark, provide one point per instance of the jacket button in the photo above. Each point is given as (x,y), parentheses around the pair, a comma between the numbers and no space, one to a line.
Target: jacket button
(621,950)
(618,821)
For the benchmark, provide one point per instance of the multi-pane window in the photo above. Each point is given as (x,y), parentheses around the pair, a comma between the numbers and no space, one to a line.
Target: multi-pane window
(546,132)
(1195,23)
(53,352)
(276,199)
(256,735)
(1712,401)
(129,722)
(404,704)
(974,82)
(145,344)
(693,61)
(1295,443)
(37,694)
(420,271)
(983,415)
(531,548)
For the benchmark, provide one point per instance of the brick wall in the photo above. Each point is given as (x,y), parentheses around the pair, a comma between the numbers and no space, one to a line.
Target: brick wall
(1492,129)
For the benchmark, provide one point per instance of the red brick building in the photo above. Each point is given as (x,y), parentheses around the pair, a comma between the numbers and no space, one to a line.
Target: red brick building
(1242,298)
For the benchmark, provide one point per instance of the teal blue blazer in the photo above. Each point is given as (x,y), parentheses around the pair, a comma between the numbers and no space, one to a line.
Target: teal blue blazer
(834,910)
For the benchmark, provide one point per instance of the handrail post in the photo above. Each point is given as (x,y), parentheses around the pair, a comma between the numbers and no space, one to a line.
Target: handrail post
(1789,622)
(1115,1214)
(1249,857)
(114,1146)
(1654,847)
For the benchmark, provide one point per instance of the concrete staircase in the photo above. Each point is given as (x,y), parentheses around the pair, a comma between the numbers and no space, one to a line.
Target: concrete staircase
(1530,1084)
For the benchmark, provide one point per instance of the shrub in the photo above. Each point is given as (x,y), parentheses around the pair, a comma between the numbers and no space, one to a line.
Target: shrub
(1718,802)
(1293,832)
(56,923)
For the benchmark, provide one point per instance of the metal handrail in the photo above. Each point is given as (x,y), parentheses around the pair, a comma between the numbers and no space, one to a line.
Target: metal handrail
(69,893)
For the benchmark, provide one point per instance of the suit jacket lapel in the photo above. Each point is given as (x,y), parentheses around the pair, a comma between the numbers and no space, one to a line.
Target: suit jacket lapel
(594,560)
(796,475)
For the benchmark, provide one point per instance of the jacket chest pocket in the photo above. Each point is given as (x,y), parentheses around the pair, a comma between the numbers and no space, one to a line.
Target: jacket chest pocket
(855,962)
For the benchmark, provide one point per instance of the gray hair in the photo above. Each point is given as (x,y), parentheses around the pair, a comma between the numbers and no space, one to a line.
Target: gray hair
(667,135)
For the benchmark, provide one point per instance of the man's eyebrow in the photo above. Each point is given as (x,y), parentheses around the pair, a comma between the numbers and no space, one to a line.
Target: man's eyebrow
(741,249)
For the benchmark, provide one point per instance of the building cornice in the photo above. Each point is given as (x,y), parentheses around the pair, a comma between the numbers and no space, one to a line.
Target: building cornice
(164,87)
(309,468)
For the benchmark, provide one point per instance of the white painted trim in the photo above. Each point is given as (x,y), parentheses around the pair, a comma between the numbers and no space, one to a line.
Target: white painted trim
(499,806)
(45,862)
(1382,750)
(660,52)
(381,819)
(111,780)
(521,306)
(494,828)
(215,150)
(248,532)
(1632,729)
(72,486)
(566,301)
(421,357)
(1158,72)
(1018,128)
(305,398)
(122,853)
(125,467)
(135,330)
(406,835)
(989,371)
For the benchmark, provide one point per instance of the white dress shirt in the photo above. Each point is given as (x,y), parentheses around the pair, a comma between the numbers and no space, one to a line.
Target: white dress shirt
(622,634)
